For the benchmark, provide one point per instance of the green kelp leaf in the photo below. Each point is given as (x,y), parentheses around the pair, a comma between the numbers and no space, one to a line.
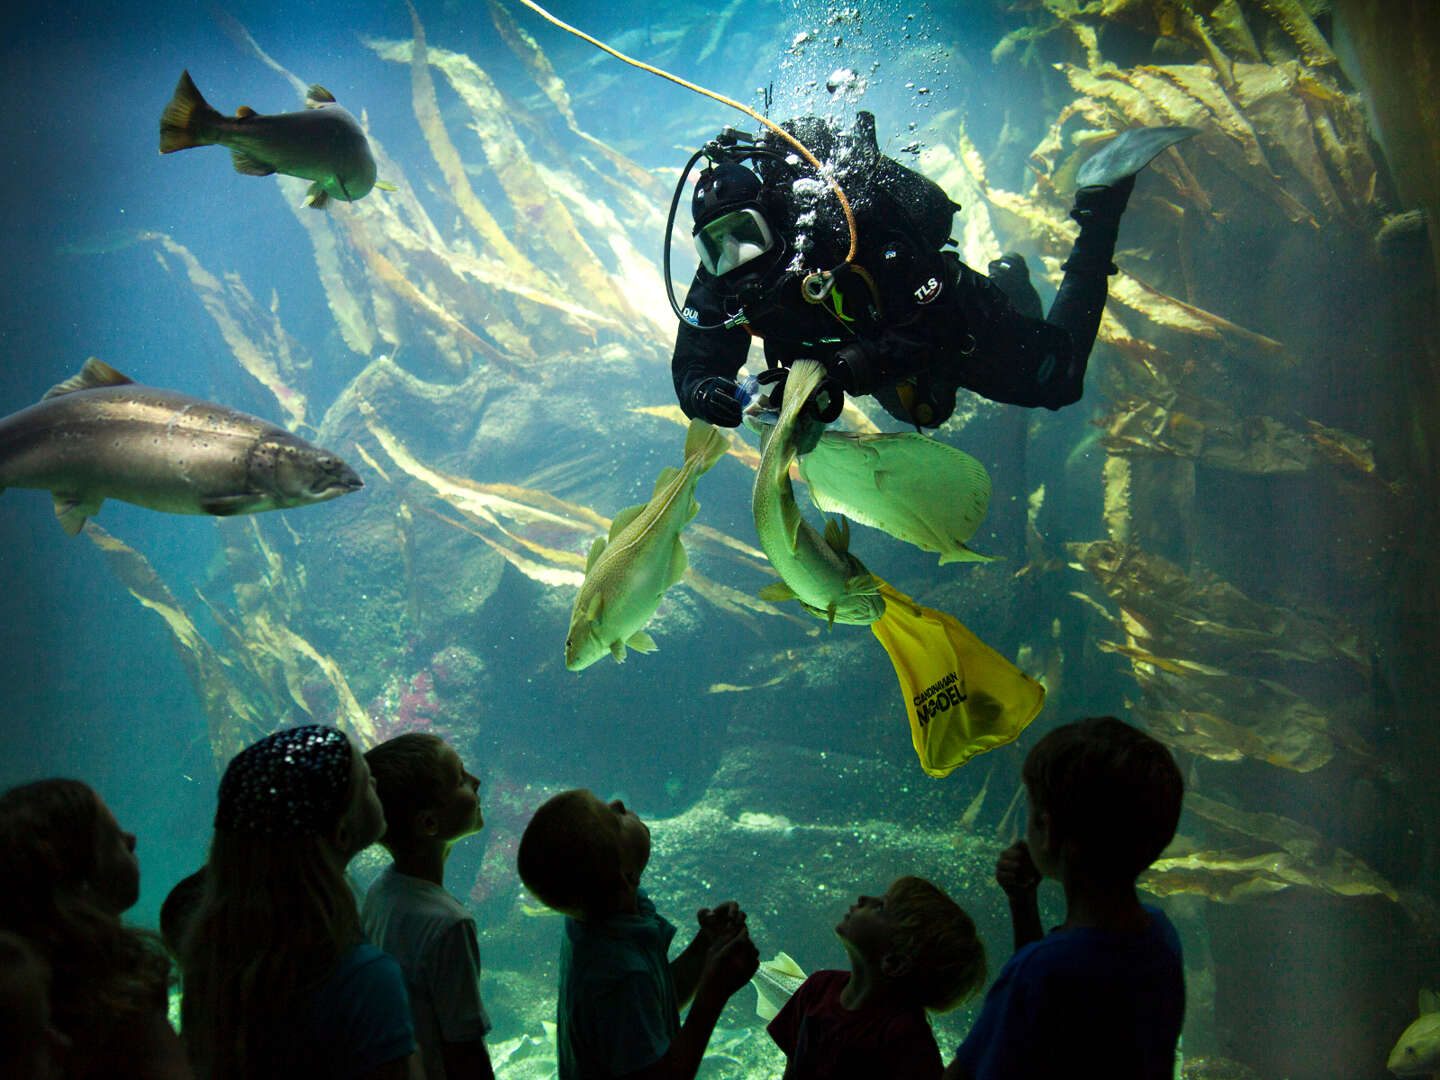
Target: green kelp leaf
(1231,877)
(1296,22)
(1281,853)
(255,337)
(232,718)
(1203,616)
(543,72)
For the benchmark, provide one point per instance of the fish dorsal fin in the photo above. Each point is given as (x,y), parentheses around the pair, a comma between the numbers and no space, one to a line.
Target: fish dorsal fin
(666,475)
(595,550)
(1429,1001)
(94,373)
(244,112)
(625,517)
(837,535)
(317,95)
(784,965)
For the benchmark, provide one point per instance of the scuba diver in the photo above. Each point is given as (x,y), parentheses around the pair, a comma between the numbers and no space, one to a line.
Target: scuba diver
(899,317)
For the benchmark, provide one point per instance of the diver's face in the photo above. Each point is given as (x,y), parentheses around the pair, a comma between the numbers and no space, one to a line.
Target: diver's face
(457,813)
(116,884)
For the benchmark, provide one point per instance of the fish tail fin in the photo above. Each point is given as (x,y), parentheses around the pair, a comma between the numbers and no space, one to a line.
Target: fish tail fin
(185,121)
(706,443)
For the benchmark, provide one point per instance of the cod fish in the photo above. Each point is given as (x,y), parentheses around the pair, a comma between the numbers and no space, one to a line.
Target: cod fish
(102,436)
(819,571)
(775,983)
(1417,1051)
(323,143)
(628,572)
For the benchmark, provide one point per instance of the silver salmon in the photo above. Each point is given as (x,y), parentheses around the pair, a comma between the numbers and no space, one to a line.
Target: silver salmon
(323,143)
(102,436)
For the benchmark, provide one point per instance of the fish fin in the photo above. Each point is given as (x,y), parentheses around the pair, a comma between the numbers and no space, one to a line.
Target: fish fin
(625,517)
(641,642)
(94,373)
(785,965)
(228,505)
(666,475)
(249,166)
(385,185)
(183,122)
(317,198)
(317,95)
(617,650)
(830,616)
(596,548)
(244,112)
(862,584)
(1429,1001)
(777,592)
(595,606)
(961,553)
(707,442)
(837,534)
(678,563)
(72,510)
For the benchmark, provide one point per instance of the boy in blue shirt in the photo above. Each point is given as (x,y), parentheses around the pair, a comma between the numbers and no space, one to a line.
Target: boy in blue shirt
(1104,992)
(618,1012)
(431,801)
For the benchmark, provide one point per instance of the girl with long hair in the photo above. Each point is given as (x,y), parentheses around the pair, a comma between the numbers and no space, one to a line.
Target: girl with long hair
(279,980)
(70,871)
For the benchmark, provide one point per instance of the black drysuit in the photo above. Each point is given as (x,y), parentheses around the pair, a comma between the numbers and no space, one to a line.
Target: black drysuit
(928,325)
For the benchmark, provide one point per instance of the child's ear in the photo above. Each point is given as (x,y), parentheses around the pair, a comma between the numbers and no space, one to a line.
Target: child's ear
(894,964)
(427,823)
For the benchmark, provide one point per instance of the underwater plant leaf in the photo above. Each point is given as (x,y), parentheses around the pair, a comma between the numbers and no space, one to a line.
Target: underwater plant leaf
(387,273)
(466,495)
(240,321)
(1290,854)
(427,113)
(543,72)
(287,647)
(537,213)
(1201,615)
(1174,314)
(1296,21)
(351,318)
(232,719)
(1230,878)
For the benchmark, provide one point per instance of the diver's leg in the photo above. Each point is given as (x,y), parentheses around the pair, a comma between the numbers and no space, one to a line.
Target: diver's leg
(1081,298)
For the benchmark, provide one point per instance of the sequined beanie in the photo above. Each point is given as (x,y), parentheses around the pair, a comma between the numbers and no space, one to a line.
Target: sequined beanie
(293,780)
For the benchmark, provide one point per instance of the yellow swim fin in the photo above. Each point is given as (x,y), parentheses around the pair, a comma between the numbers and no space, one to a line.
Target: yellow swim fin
(962,696)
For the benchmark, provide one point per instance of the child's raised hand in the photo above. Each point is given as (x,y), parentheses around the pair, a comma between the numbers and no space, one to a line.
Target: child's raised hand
(1015,871)
(722,921)
(729,964)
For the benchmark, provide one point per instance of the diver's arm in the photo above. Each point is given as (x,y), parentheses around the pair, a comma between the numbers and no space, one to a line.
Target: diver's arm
(705,354)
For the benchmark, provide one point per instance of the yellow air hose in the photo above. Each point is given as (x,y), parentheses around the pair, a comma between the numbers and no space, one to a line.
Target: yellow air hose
(826,277)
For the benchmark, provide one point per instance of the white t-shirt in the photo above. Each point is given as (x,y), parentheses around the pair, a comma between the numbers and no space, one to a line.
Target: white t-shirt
(433,937)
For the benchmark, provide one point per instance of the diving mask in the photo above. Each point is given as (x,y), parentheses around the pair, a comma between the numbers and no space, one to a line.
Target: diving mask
(732,240)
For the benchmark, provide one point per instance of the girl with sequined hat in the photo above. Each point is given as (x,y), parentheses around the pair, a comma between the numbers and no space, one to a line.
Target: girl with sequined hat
(279,980)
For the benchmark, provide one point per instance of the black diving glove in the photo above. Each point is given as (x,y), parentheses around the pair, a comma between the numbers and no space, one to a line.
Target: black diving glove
(858,368)
(716,399)
(1012,277)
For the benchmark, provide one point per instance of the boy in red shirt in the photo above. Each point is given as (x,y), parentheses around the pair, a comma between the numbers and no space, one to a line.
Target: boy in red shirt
(911,950)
